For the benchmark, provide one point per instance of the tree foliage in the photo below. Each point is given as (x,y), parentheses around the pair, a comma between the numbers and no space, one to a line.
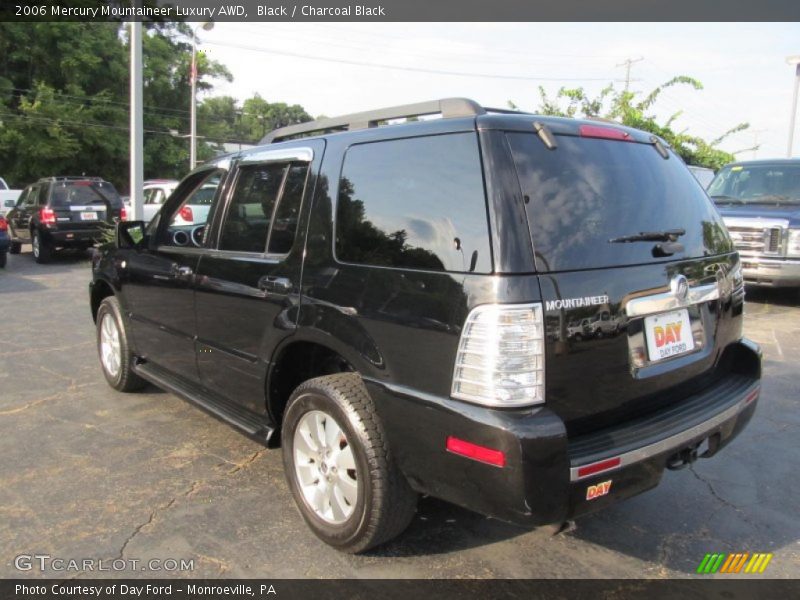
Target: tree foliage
(64,102)
(634,110)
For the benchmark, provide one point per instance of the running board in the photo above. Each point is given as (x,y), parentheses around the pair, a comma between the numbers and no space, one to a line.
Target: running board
(254,426)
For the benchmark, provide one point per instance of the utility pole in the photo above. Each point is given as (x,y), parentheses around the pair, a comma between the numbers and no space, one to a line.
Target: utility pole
(137,128)
(756,133)
(795,62)
(627,64)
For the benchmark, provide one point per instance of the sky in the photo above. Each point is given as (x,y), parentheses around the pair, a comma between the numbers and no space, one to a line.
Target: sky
(321,66)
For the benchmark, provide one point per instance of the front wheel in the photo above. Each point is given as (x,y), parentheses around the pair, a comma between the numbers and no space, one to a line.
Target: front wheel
(113,347)
(42,249)
(339,466)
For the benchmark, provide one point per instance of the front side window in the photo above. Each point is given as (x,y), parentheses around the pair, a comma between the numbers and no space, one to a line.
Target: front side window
(414,203)
(264,209)
(185,223)
(195,208)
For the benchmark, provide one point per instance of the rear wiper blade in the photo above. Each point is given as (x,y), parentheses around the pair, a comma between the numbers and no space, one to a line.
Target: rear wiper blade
(670,235)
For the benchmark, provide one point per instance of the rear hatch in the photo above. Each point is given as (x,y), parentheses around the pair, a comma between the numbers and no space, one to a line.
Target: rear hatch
(84,204)
(653,327)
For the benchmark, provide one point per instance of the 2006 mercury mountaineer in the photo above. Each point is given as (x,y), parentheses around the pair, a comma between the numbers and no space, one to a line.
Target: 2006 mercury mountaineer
(390,304)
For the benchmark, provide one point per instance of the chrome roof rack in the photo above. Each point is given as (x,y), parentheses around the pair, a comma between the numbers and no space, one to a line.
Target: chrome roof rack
(447,107)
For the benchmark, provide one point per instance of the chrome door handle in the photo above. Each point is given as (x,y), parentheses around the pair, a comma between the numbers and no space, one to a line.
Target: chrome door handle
(181,271)
(281,285)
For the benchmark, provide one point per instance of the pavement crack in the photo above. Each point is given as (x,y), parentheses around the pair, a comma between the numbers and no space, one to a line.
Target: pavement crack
(719,498)
(149,521)
(19,409)
(248,461)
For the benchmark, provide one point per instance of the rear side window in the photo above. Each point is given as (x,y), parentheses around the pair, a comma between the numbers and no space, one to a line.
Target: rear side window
(414,203)
(79,193)
(587,192)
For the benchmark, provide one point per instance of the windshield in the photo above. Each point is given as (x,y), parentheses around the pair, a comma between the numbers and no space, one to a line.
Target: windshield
(752,184)
(78,193)
(586,193)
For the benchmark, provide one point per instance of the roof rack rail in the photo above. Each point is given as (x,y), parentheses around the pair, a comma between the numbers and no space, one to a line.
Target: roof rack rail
(506,111)
(447,107)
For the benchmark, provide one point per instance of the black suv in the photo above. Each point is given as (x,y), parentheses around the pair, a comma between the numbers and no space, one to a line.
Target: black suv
(63,212)
(390,303)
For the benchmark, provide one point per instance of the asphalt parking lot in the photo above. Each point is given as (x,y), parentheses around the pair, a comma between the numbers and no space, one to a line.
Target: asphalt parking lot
(87,472)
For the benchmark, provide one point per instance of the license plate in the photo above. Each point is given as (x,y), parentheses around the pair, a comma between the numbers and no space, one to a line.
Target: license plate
(668,334)
(88,216)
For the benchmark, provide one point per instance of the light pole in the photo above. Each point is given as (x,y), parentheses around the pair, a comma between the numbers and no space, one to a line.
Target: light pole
(207,26)
(793,60)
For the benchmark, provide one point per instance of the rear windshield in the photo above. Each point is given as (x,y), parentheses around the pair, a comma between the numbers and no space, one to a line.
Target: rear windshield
(587,192)
(753,184)
(80,193)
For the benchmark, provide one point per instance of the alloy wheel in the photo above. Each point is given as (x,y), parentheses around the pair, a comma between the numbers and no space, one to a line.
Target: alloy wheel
(110,354)
(325,467)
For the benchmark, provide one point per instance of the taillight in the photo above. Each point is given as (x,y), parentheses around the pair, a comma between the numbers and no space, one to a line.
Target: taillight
(47,216)
(123,214)
(186,214)
(607,133)
(3,224)
(500,359)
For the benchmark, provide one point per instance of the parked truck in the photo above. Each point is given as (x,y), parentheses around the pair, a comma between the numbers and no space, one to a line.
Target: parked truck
(8,197)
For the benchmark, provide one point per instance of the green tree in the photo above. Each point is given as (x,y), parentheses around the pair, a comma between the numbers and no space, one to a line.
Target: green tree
(64,100)
(634,110)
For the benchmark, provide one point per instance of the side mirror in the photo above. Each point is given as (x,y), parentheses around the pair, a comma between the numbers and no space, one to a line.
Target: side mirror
(130,234)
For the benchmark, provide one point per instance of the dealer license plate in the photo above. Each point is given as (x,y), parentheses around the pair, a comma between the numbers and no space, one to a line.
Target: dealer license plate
(88,216)
(668,334)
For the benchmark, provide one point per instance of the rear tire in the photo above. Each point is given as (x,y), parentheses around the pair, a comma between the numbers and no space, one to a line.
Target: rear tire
(114,349)
(3,260)
(16,247)
(368,501)
(42,249)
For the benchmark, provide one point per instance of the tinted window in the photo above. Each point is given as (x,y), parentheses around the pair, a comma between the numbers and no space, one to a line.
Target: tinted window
(250,212)
(77,193)
(587,192)
(757,183)
(417,203)
(284,226)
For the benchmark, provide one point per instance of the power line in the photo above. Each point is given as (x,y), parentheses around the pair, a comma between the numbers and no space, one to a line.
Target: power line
(628,63)
(400,67)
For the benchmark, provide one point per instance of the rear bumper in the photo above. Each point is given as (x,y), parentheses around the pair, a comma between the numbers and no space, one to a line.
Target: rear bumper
(65,236)
(772,272)
(548,477)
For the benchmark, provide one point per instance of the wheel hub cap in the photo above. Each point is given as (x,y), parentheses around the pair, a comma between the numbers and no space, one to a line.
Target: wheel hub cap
(325,467)
(110,354)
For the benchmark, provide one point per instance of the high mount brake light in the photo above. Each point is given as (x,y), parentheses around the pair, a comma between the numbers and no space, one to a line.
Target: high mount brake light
(605,133)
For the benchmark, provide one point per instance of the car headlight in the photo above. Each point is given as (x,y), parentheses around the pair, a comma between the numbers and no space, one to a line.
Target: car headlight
(793,247)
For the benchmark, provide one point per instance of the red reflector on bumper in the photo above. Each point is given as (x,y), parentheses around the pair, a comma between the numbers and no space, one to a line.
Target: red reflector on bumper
(752,395)
(475,452)
(599,467)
